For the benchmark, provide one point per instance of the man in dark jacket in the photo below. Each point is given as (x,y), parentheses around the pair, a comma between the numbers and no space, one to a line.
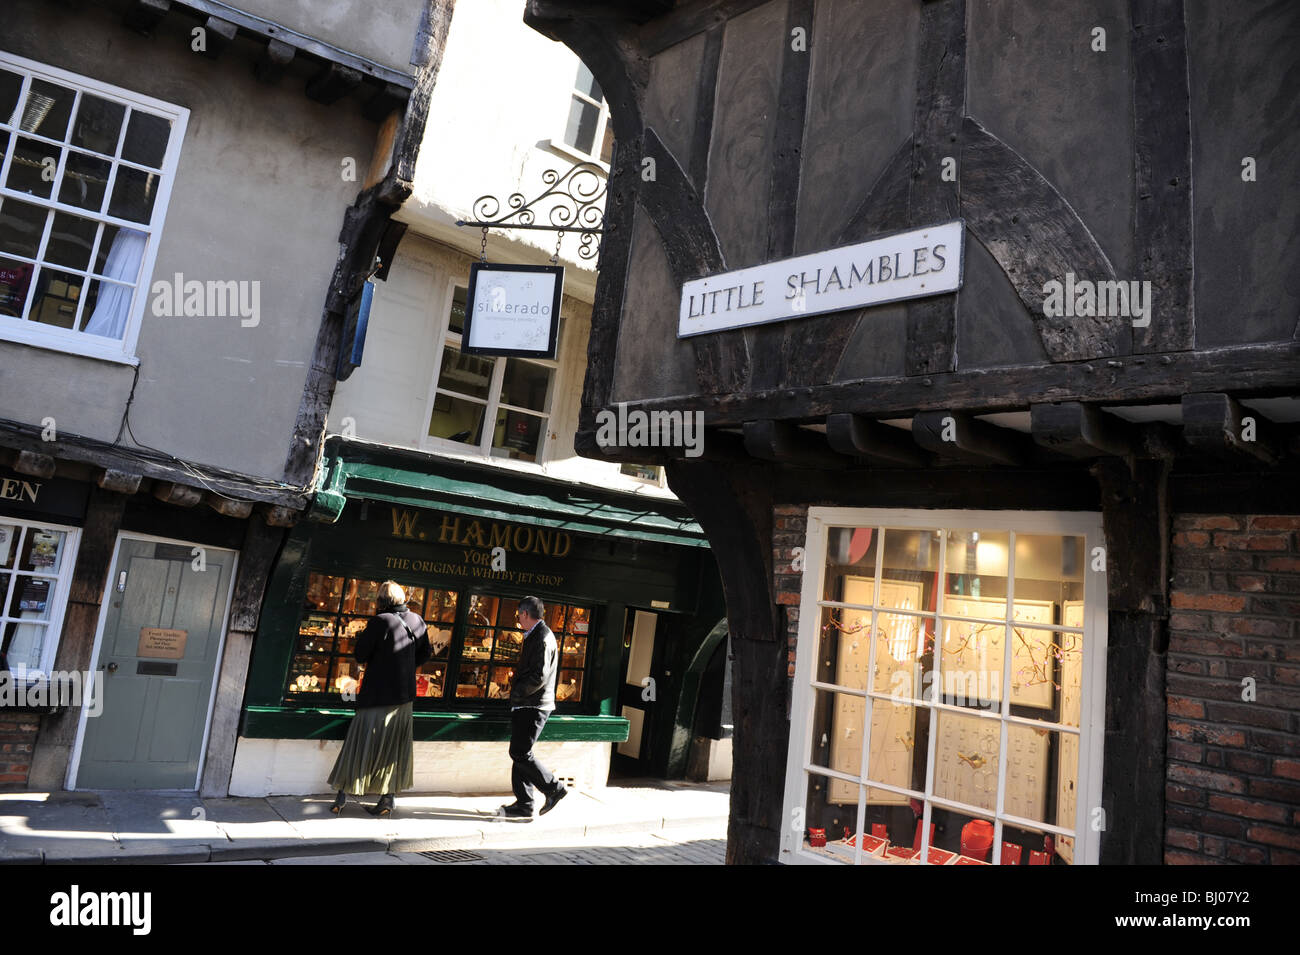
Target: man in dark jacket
(532,699)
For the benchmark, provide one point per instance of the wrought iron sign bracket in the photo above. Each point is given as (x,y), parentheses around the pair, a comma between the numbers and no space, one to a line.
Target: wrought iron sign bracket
(576,204)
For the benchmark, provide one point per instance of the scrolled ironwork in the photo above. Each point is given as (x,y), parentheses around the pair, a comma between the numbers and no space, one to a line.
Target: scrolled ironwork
(573,201)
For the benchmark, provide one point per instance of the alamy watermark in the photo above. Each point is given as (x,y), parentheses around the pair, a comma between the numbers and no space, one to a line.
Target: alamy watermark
(651,429)
(60,688)
(1085,298)
(213,298)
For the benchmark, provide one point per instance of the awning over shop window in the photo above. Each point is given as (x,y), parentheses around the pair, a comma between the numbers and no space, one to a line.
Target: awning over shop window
(361,471)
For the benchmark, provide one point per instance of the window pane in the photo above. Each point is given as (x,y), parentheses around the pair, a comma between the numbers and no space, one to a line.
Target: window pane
(32,168)
(508,646)
(517,435)
(440,606)
(966,760)
(47,109)
(146,139)
(970,664)
(349,629)
(345,676)
(9,536)
(15,283)
(826,820)
(361,596)
(581,129)
(586,83)
(309,673)
(844,643)
(10,86)
(459,299)
(21,226)
(465,374)
(85,180)
(568,686)
(1050,568)
(898,752)
(472,682)
(71,239)
(134,193)
(526,384)
(324,592)
(24,643)
(902,643)
(31,598)
(499,685)
(975,565)
(579,620)
(478,645)
(573,652)
(482,610)
(836,741)
(430,679)
(55,299)
(316,633)
(851,565)
(506,611)
(607,147)
(98,124)
(910,569)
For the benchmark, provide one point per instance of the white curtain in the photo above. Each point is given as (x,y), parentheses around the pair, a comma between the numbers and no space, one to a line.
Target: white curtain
(114,302)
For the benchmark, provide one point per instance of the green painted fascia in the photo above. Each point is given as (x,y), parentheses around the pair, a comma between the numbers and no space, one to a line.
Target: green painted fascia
(278,722)
(586,515)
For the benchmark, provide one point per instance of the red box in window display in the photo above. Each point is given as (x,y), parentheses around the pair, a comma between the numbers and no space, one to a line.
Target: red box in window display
(977,839)
(940,857)
(871,845)
(967,860)
(1011,853)
(1039,858)
(817,837)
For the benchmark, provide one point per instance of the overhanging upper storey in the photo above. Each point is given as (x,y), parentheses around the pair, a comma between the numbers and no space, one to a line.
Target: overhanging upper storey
(1118,176)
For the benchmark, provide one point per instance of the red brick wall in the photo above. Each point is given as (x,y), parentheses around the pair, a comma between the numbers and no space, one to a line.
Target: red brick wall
(17,737)
(1233,766)
(790,526)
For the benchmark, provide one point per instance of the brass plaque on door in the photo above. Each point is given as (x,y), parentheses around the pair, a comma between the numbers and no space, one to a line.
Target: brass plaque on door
(160,643)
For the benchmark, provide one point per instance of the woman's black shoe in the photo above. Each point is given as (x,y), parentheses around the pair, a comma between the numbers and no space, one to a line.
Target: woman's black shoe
(382,808)
(340,801)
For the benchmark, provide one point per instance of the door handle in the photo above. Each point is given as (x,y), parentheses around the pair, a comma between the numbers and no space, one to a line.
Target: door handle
(112,668)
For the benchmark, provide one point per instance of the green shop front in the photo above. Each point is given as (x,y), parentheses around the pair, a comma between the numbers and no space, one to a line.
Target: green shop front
(630,590)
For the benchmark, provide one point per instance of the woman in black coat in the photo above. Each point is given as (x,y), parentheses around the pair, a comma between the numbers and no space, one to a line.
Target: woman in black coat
(378,755)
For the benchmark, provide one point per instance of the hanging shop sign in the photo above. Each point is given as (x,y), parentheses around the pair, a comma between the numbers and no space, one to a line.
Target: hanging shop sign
(905,265)
(513,310)
(355,323)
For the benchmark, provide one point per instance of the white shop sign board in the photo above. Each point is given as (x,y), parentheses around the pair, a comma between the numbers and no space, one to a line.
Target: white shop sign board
(904,265)
(512,310)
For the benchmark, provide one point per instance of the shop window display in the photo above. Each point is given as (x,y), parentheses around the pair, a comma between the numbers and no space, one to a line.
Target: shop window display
(477,666)
(35,563)
(942,721)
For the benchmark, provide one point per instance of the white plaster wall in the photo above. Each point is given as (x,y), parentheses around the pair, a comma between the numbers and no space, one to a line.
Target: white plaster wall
(294,767)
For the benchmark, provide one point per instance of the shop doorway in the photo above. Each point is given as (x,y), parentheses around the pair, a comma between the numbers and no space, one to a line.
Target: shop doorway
(160,641)
(639,692)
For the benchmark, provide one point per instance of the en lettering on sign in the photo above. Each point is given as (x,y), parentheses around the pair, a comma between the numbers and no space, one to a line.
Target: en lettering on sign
(905,265)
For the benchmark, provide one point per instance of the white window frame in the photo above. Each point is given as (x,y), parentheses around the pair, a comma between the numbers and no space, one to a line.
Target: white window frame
(560,144)
(66,340)
(1092,698)
(60,586)
(492,404)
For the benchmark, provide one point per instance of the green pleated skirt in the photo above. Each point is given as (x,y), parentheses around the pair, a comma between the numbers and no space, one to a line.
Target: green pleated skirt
(377,756)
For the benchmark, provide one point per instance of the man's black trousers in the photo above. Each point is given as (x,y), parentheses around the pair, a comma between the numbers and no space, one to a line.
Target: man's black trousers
(525,726)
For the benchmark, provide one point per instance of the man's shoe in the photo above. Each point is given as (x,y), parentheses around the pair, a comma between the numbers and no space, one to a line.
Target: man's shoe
(516,811)
(553,798)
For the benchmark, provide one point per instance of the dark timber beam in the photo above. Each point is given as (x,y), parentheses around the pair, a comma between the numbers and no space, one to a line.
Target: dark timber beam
(788,443)
(278,516)
(178,494)
(333,83)
(860,436)
(1080,430)
(958,435)
(228,506)
(1136,522)
(217,36)
(122,482)
(388,99)
(1217,424)
(689,19)
(35,464)
(275,59)
(143,15)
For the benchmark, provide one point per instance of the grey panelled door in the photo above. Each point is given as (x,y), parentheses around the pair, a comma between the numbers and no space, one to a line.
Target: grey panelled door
(156,663)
